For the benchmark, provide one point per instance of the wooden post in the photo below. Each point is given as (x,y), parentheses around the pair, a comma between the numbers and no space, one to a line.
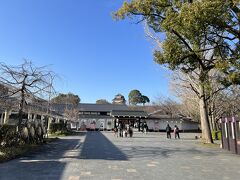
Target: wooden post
(34,117)
(115,123)
(138,125)
(49,120)
(6,116)
(2,116)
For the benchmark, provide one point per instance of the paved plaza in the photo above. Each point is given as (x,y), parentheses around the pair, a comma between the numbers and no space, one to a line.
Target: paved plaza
(101,155)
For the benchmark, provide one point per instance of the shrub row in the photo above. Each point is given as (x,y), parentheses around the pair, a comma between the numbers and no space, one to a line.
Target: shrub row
(27,134)
(57,127)
(216,135)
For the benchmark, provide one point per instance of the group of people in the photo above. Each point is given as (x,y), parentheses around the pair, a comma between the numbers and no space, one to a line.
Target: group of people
(175,131)
(123,130)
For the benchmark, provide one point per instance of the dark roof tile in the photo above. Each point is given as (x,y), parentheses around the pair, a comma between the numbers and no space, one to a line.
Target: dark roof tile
(129,113)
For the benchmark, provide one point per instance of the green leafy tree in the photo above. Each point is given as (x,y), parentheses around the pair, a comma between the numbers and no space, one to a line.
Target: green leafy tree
(102,101)
(145,100)
(135,97)
(227,24)
(196,41)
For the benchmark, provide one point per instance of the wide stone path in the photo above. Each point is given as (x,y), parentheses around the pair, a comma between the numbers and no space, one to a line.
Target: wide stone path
(101,155)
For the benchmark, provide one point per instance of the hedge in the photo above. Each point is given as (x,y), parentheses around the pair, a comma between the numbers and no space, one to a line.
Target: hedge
(28,134)
(55,127)
(216,135)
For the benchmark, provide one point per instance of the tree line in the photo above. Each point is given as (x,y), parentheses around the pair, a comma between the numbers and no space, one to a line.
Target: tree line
(134,97)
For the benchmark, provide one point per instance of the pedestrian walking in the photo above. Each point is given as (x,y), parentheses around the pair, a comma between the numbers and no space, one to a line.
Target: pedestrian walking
(120,129)
(130,132)
(168,130)
(176,132)
(126,132)
(145,128)
(115,131)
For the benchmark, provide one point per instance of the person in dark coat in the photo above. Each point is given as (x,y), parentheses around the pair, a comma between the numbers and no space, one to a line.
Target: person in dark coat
(168,130)
(120,129)
(145,127)
(130,131)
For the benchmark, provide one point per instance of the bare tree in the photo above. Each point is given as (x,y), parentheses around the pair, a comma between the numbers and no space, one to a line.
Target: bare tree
(69,103)
(4,99)
(220,100)
(182,87)
(27,81)
(167,106)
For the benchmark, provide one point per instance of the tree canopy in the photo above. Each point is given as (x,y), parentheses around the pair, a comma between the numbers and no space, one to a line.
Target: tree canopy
(135,97)
(69,98)
(102,101)
(25,81)
(198,34)
(145,100)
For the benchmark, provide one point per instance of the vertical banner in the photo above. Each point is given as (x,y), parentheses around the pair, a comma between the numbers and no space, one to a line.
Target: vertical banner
(233,129)
(225,125)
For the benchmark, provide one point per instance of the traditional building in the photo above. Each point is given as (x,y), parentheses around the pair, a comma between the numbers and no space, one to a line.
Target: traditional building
(119,99)
(158,119)
(158,122)
(108,116)
(96,116)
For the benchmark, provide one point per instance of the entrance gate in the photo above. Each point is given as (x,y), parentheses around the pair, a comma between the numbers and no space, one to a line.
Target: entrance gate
(129,117)
(231,134)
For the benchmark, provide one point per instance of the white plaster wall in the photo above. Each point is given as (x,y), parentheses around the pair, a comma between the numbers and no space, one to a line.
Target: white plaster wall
(109,127)
(172,122)
(189,126)
(73,125)
(88,121)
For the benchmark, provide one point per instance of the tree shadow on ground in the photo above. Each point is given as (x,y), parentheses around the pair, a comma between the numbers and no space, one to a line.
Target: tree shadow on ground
(97,146)
(139,137)
(47,162)
(161,152)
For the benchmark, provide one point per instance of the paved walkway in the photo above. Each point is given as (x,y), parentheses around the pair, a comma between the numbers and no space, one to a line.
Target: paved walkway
(100,155)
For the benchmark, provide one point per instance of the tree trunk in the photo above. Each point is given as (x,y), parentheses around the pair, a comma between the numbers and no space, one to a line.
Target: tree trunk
(206,133)
(210,122)
(1,121)
(214,117)
(49,120)
(214,123)
(20,112)
(210,112)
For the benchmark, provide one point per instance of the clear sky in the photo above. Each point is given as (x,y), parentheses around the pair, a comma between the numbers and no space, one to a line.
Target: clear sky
(95,56)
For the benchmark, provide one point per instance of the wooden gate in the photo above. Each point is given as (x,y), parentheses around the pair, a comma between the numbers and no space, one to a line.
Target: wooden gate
(231,134)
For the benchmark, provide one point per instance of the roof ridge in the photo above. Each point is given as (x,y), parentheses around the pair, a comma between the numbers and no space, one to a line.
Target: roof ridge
(102,104)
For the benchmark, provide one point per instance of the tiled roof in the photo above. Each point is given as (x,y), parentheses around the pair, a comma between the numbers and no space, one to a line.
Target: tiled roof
(101,107)
(91,107)
(129,113)
(91,116)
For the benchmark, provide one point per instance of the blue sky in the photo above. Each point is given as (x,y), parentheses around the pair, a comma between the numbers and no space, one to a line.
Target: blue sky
(95,56)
